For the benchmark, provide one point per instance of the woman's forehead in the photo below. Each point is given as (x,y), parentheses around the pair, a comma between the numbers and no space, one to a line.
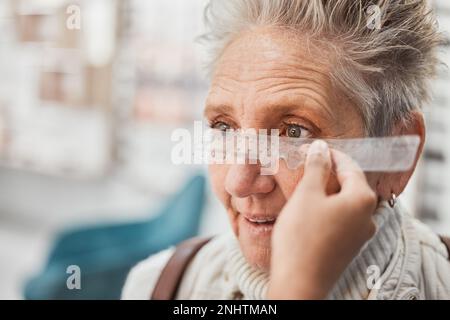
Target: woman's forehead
(247,75)
(272,52)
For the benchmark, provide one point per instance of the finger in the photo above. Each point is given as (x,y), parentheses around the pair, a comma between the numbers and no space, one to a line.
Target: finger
(317,167)
(349,175)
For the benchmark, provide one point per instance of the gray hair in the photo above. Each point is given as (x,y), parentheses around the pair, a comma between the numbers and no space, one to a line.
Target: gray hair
(384,70)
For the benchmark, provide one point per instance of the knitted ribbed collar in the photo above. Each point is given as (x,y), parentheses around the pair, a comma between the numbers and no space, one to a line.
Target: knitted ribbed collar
(353,284)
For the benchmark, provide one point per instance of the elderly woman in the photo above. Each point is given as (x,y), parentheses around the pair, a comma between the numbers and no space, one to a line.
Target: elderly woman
(314,69)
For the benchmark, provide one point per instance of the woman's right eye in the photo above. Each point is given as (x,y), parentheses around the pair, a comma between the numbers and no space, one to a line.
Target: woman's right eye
(222,126)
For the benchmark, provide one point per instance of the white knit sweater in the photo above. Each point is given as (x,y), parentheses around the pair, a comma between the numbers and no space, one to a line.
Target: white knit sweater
(411,262)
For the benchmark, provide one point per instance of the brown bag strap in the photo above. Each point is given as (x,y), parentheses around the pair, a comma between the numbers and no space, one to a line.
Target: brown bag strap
(167,285)
(446,242)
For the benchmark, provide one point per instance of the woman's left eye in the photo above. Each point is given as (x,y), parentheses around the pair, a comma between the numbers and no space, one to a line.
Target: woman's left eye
(296,131)
(219,125)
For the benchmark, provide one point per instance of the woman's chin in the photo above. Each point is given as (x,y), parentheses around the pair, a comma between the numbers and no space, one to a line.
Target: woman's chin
(255,243)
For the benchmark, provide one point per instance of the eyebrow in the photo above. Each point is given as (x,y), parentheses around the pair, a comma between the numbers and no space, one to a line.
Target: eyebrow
(217,109)
(291,108)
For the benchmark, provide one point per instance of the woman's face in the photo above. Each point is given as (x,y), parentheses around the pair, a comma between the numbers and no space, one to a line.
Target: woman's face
(264,80)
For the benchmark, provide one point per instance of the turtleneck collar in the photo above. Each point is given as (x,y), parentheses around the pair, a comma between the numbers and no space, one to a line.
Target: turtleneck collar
(251,283)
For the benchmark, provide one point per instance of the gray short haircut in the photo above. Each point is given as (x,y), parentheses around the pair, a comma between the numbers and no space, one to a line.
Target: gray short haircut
(383,69)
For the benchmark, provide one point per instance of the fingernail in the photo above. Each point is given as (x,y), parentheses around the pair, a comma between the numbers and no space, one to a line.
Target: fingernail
(318,147)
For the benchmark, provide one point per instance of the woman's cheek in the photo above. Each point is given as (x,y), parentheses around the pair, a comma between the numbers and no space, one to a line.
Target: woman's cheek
(215,174)
(288,180)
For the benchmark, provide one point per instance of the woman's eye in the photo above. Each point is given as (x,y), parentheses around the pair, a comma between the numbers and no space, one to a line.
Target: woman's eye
(222,126)
(296,131)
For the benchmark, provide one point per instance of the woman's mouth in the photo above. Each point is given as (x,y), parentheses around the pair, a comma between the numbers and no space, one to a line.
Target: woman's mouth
(258,224)
(261,220)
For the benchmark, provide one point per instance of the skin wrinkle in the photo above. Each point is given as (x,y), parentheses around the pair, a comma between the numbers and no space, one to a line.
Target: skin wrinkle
(322,112)
(315,95)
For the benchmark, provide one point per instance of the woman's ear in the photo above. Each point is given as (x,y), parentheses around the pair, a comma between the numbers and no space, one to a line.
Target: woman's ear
(396,182)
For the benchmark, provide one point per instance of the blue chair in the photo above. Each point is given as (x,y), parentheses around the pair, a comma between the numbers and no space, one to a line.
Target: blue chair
(106,253)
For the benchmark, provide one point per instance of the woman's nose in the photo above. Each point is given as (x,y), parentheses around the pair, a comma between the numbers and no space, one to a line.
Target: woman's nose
(243,180)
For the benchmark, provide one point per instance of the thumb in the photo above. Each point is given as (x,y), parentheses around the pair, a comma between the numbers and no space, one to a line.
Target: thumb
(317,167)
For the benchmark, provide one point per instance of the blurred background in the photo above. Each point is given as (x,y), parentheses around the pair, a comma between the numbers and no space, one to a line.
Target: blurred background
(90,92)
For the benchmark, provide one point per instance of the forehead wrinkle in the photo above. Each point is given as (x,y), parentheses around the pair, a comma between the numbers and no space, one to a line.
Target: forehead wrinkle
(263,77)
(266,83)
(303,84)
(298,83)
(295,103)
(276,94)
(261,73)
(218,85)
(299,90)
